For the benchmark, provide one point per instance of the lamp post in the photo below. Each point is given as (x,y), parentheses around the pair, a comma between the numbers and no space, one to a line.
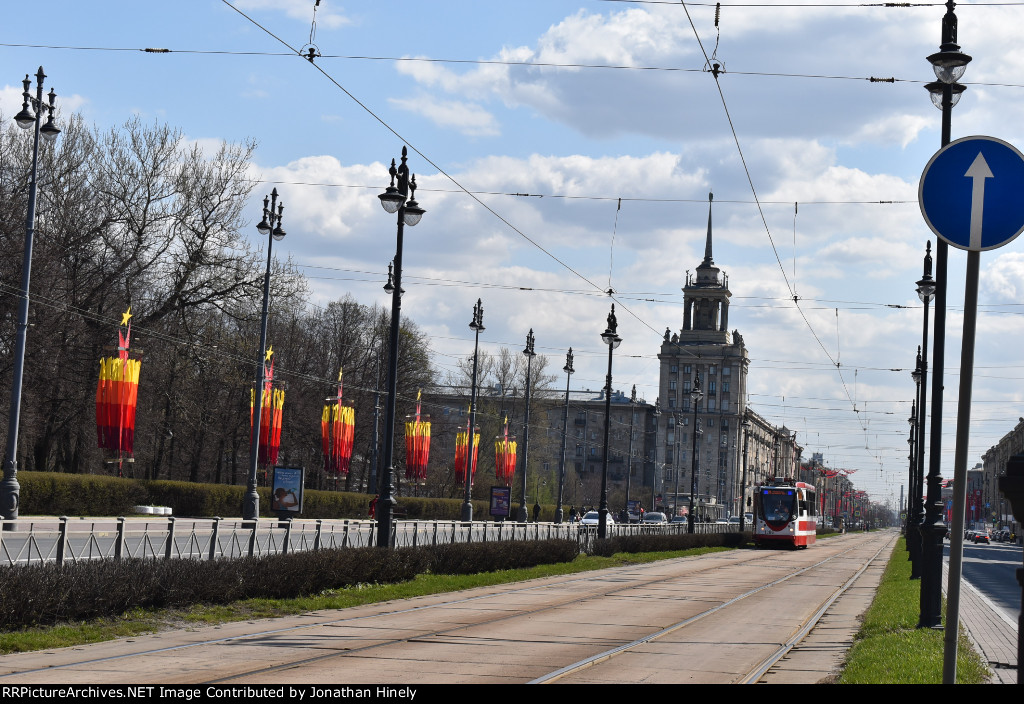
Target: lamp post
(610,338)
(10,489)
(559,514)
(678,463)
(949,65)
(743,479)
(912,442)
(476,325)
(913,519)
(400,198)
(530,354)
(629,454)
(931,533)
(654,470)
(270,226)
(695,396)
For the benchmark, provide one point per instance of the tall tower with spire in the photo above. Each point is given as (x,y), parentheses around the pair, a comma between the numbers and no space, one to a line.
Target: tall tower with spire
(704,349)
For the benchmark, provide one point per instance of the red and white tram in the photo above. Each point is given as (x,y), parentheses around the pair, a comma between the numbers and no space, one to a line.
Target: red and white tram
(785,513)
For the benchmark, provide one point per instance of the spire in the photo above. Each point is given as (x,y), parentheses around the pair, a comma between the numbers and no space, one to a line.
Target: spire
(708,259)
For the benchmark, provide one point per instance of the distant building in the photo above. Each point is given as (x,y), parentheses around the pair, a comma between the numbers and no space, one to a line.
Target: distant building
(996,507)
(704,349)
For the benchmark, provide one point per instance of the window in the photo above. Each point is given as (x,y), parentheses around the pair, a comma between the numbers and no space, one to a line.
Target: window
(670,437)
(674,368)
(671,403)
(686,437)
(725,386)
(711,404)
(579,453)
(672,385)
(686,386)
(668,455)
(725,404)
(711,370)
(726,371)
(687,369)
(711,422)
(711,386)
(671,421)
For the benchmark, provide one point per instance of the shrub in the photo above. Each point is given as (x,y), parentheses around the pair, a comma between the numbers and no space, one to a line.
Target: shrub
(47,594)
(54,494)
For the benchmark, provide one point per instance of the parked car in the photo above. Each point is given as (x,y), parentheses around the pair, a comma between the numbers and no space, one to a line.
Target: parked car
(655,517)
(593,518)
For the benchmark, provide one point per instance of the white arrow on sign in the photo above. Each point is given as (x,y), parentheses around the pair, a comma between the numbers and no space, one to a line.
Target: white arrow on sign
(979,171)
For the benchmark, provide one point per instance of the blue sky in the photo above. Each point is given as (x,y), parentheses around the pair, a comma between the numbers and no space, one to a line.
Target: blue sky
(655,134)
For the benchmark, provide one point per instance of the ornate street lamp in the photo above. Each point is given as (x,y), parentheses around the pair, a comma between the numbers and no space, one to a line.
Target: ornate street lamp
(629,455)
(10,489)
(269,226)
(915,512)
(610,338)
(743,480)
(912,441)
(695,397)
(400,198)
(654,470)
(530,354)
(477,326)
(559,514)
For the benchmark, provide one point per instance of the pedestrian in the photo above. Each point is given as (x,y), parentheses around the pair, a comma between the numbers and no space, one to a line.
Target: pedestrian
(373,505)
(536,511)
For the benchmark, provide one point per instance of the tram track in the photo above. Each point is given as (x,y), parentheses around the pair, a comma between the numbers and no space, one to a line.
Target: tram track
(765,665)
(473,615)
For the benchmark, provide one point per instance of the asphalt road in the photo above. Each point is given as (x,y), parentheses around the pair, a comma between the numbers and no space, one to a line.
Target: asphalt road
(991,569)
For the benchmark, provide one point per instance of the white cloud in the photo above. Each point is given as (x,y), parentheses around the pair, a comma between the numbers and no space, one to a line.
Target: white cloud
(467,118)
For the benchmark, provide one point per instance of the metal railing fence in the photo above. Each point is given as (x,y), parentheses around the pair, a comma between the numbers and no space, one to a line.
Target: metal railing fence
(65,540)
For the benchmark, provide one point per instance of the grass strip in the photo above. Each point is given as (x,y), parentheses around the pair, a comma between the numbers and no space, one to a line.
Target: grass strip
(141,621)
(890,649)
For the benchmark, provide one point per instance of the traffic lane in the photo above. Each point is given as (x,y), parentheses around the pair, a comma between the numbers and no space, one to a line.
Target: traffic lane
(992,570)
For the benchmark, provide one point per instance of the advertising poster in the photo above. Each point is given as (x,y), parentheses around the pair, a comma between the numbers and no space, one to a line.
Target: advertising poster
(286,490)
(501,501)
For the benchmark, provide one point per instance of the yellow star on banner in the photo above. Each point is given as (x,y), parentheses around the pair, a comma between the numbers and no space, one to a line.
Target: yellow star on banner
(270,353)
(126,315)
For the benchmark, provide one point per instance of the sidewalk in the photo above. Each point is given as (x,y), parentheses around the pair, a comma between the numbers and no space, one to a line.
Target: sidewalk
(992,631)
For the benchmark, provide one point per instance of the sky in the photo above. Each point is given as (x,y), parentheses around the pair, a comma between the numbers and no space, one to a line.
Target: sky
(563,148)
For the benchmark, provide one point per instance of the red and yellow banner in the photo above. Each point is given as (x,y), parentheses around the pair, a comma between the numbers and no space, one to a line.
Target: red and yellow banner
(116,397)
(461,447)
(505,457)
(271,416)
(417,445)
(337,427)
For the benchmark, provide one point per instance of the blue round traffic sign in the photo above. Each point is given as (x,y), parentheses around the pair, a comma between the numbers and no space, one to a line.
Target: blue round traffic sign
(971,193)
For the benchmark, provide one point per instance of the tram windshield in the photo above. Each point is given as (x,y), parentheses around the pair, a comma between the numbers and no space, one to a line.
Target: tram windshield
(778,504)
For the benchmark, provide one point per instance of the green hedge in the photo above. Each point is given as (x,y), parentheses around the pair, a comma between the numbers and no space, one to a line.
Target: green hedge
(47,594)
(56,494)
(49,493)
